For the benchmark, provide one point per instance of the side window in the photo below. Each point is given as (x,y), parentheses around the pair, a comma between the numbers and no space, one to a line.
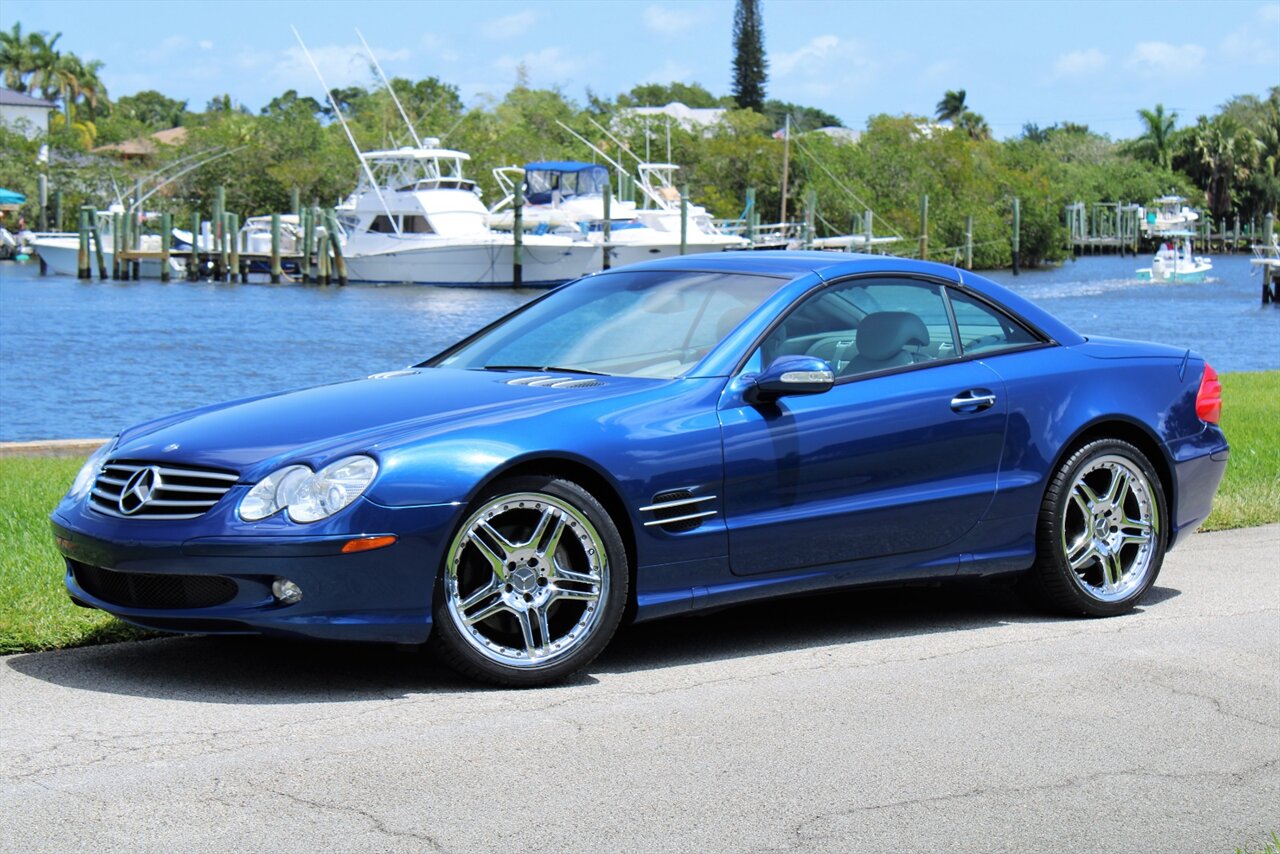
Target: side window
(983,329)
(866,325)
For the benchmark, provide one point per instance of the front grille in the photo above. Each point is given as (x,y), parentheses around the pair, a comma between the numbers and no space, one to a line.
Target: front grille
(158,491)
(148,590)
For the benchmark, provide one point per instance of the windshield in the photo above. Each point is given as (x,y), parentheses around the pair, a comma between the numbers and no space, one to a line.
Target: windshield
(643,324)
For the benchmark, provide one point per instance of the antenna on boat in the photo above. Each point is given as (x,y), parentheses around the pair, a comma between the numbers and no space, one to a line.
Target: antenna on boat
(368,173)
(385,82)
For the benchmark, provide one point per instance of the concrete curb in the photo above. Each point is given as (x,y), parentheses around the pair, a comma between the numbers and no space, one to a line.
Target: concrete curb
(51,448)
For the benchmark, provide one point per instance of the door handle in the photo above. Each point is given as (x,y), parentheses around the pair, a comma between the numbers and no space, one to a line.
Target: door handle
(973,400)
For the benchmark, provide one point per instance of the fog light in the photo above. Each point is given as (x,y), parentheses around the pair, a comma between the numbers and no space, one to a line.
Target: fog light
(286,591)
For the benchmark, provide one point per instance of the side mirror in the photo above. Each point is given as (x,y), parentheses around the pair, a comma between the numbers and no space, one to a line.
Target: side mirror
(791,375)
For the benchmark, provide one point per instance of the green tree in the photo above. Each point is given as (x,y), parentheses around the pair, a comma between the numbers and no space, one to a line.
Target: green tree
(802,118)
(27,60)
(661,94)
(951,107)
(151,109)
(291,102)
(1155,143)
(750,68)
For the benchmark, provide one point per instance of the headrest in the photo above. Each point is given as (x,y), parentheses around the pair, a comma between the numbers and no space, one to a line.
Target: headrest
(730,320)
(883,334)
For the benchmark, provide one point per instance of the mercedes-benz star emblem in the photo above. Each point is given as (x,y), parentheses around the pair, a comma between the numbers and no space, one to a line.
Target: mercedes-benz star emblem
(138,490)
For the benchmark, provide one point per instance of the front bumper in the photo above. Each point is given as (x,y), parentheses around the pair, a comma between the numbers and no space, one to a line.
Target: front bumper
(200,578)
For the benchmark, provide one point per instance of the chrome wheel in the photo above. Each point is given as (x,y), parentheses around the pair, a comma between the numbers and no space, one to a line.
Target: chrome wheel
(1110,528)
(526,579)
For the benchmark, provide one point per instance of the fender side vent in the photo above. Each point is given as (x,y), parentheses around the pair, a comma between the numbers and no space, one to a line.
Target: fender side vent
(678,510)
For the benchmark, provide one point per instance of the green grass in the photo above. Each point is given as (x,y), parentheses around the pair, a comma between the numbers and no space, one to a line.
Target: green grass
(1270,845)
(1250,491)
(35,613)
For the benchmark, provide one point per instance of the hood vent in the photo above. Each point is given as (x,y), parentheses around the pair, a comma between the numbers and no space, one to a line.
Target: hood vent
(678,510)
(554,382)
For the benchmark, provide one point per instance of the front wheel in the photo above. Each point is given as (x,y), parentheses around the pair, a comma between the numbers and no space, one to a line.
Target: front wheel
(1101,534)
(533,585)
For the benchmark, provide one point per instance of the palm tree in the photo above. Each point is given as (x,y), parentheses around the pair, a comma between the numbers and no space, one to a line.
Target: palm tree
(1157,135)
(973,124)
(951,107)
(18,56)
(1227,152)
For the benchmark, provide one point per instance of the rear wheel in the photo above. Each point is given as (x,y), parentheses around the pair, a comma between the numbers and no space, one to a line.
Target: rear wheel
(1101,536)
(533,584)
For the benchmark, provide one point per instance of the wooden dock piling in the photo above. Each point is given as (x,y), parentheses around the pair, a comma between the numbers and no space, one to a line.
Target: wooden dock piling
(166,240)
(82,258)
(276,269)
(233,242)
(193,263)
(117,244)
(339,260)
(322,258)
(98,251)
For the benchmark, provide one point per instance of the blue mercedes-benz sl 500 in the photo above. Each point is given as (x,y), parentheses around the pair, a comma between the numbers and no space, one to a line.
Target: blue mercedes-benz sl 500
(659,439)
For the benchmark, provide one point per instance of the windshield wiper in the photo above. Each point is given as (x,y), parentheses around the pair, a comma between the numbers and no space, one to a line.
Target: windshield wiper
(544,369)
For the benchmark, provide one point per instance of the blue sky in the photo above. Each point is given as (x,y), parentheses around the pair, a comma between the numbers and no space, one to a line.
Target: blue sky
(1040,61)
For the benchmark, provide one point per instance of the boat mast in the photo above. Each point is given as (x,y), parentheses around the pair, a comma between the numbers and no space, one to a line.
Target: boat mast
(373,182)
(392,92)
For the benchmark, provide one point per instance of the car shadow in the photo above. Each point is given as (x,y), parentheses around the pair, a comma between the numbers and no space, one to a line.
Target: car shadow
(266,671)
(852,616)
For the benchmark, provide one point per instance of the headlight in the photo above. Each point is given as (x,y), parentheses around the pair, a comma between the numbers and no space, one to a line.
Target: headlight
(89,472)
(332,488)
(309,496)
(273,493)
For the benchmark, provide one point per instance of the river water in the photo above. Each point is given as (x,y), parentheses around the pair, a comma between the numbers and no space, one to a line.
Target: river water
(80,359)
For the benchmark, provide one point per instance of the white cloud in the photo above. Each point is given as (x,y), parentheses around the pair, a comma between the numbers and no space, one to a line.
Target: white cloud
(1269,13)
(938,70)
(551,64)
(822,67)
(667,21)
(1154,59)
(1080,63)
(341,65)
(808,57)
(205,44)
(509,26)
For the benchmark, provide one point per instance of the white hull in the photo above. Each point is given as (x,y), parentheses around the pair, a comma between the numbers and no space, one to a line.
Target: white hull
(62,256)
(622,254)
(487,263)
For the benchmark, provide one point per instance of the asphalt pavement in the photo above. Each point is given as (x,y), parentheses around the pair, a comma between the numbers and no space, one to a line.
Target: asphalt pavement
(947,719)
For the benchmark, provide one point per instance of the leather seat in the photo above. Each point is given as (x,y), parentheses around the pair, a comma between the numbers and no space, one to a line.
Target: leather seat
(883,337)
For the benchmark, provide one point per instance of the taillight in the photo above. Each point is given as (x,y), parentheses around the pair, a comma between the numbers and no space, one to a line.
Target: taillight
(1209,398)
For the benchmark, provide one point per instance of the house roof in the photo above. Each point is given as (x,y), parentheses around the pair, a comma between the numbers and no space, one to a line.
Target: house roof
(10,98)
(144,146)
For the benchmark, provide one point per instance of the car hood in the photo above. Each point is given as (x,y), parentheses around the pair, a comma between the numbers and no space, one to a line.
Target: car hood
(314,425)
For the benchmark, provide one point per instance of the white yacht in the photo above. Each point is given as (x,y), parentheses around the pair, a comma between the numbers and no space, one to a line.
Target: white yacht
(567,196)
(414,218)
(1168,214)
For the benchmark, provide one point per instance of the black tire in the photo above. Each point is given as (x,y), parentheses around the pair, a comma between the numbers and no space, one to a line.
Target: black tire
(1107,580)
(542,625)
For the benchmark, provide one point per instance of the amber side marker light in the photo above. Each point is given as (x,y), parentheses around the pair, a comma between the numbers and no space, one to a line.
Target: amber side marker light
(366,544)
